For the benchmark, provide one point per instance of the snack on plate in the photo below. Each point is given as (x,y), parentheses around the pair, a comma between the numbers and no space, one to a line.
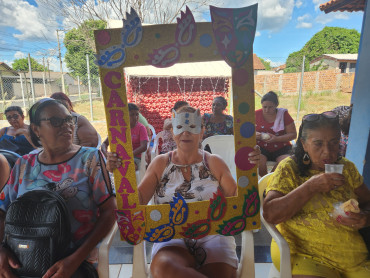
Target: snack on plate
(351,205)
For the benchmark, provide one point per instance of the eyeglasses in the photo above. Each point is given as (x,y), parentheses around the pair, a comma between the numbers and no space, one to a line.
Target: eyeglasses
(58,122)
(316,117)
(15,117)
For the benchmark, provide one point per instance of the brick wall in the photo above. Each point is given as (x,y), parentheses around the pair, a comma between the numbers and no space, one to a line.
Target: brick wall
(314,81)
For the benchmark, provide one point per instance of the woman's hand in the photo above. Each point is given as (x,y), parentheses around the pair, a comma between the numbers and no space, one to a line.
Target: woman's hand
(258,135)
(113,161)
(21,131)
(273,138)
(325,182)
(353,220)
(254,157)
(7,263)
(63,268)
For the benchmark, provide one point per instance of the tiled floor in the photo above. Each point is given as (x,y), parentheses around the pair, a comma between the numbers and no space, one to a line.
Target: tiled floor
(125,270)
(120,255)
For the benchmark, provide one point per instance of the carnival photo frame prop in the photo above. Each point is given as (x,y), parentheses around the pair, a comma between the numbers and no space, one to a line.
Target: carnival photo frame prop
(228,37)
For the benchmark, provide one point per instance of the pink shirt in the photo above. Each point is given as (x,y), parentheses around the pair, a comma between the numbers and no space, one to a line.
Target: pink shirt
(138,134)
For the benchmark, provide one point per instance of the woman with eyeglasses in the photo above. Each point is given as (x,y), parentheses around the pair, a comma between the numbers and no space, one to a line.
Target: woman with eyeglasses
(196,175)
(302,200)
(275,129)
(78,174)
(17,133)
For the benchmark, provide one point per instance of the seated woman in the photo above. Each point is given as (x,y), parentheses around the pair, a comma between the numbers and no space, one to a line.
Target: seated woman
(300,199)
(275,129)
(139,135)
(204,174)
(84,133)
(78,174)
(218,123)
(17,133)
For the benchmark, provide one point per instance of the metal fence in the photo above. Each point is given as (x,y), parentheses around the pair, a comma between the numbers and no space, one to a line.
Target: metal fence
(25,88)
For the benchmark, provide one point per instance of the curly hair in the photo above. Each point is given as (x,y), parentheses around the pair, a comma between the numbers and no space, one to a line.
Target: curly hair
(222,100)
(304,131)
(14,108)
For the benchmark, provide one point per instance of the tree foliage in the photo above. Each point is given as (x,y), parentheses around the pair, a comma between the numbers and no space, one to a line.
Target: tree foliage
(265,63)
(79,42)
(330,40)
(22,65)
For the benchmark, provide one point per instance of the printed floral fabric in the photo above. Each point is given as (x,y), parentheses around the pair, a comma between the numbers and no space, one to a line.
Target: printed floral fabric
(168,143)
(211,129)
(313,231)
(80,181)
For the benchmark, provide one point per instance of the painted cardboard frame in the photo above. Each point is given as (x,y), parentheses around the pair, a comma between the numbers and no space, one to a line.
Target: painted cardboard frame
(163,45)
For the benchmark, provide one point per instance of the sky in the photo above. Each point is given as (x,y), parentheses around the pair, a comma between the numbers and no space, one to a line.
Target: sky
(283,26)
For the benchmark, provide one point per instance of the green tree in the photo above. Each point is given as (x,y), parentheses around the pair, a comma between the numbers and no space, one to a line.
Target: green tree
(22,65)
(265,63)
(330,40)
(79,42)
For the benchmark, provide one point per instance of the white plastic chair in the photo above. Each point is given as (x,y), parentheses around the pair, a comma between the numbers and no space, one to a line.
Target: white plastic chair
(142,168)
(224,146)
(103,261)
(141,269)
(285,265)
(155,148)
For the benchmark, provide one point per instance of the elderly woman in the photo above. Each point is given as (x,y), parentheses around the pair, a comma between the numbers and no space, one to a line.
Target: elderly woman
(76,173)
(17,133)
(204,174)
(275,129)
(217,123)
(300,199)
(84,133)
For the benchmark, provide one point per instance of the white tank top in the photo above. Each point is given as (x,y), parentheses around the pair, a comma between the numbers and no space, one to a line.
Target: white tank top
(200,187)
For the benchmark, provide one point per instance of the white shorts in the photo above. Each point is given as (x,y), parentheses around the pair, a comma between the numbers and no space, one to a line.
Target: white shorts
(209,249)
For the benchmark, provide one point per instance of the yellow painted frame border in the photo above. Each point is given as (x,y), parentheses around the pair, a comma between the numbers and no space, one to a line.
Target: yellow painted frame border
(135,220)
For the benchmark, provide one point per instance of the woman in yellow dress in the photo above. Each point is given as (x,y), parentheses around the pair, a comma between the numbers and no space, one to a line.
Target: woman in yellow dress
(301,198)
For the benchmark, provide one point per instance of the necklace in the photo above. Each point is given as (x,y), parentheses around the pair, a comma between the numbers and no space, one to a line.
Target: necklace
(185,167)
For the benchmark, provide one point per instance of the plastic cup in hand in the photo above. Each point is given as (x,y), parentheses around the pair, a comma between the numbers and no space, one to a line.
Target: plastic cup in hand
(334,168)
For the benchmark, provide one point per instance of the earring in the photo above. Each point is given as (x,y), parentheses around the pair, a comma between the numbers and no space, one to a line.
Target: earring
(306,159)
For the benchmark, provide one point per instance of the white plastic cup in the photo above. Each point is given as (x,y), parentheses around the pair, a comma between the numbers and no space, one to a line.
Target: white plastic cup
(334,168)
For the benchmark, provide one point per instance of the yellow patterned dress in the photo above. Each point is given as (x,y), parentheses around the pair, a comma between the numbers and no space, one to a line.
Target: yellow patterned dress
(312,231)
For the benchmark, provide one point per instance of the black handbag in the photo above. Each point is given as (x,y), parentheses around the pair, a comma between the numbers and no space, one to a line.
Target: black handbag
(37,231)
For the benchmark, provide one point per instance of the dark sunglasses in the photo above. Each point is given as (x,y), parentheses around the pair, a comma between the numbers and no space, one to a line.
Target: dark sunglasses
(15,117)
(58,122)
(316,117)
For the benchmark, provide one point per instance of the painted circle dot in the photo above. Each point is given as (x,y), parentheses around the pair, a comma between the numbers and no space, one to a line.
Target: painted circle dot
(241,159)
(254,174)
(205,40)
(243,108)
(190,55)
(235,206)
(196,212)
(157,35)
(247,129)
(254,223)
(155,215)
(103,37)
(240,77)
(243,181)
(136,57)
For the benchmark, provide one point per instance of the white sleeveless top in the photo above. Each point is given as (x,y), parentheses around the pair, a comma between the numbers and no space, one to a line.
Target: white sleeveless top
(200,187)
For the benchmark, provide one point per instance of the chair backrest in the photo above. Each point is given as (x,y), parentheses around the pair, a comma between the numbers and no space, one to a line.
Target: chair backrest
(223,145)
(10,156)
(155,149)
(153,132)
(262,184)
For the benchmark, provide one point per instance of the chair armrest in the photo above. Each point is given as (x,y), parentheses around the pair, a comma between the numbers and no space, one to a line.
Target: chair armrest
(140,268)
(103,263)
(285,265)
(246,265)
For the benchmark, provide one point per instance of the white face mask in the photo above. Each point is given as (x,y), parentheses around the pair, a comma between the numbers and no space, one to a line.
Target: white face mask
(186,121)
